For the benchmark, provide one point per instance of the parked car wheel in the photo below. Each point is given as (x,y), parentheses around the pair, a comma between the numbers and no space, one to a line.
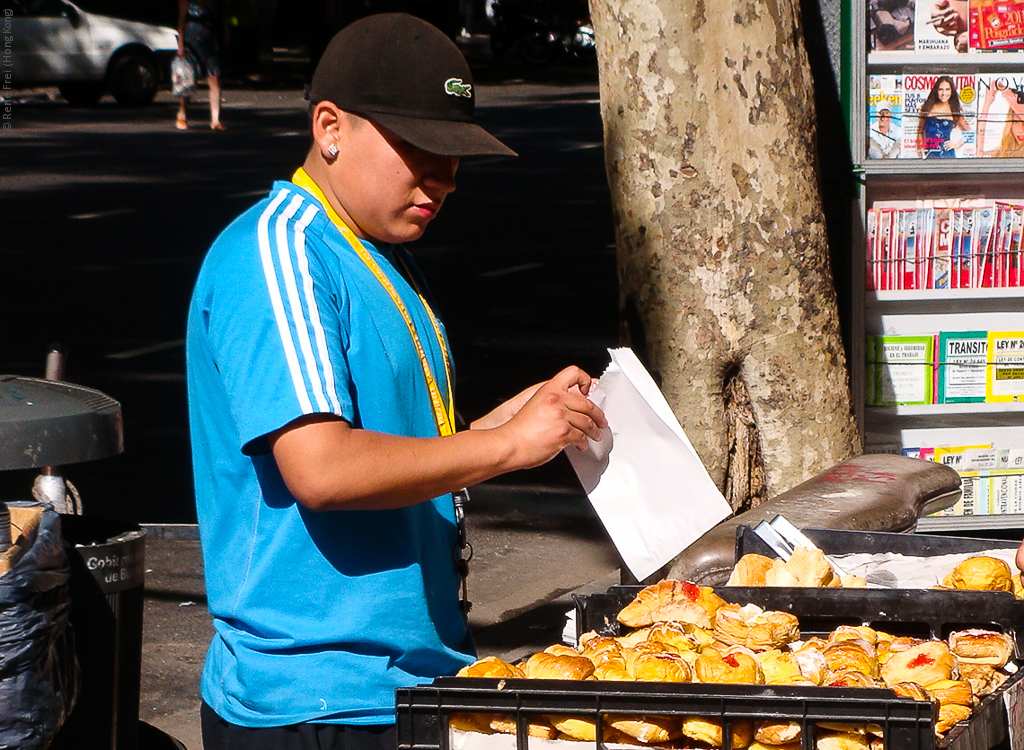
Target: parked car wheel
(134,80)
(81,93)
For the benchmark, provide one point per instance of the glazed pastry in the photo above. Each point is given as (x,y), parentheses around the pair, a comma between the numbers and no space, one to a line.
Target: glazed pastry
(750,570)
(490,666)
(853,582)
(781,668)
(981,647)
(647,647)
(683,636)
(951,691)
(664,667)
(812,663)
(601,648)
(949,715)
(672,600)
(852,728)
(755,745)
(612,670)
(850,678)
(631,639)
(777,732)
(980,573)
(854,654)
(475,722)
(648,729)
(544,666)
(735,668)
(779,575)
(851,632)
(706,729)
(575,727)
(755,628)
(925,663)
(560,649)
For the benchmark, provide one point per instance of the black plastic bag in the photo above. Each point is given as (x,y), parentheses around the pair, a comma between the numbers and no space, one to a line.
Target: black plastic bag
(38,671)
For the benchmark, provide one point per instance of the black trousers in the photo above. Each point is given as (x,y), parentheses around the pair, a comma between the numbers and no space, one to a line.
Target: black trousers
(222,735)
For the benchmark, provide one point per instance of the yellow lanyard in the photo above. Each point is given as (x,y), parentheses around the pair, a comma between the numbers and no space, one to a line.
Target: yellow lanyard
(444,413)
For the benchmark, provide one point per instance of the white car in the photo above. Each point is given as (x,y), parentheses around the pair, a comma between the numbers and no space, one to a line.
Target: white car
(85,54)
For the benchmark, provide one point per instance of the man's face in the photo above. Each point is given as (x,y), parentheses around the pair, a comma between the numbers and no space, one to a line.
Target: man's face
(884,120)
(389,189)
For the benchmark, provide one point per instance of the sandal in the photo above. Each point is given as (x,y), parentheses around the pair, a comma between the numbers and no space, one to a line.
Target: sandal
(181,123)
(218,126)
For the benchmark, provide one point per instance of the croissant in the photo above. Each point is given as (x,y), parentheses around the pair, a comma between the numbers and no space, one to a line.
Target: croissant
(535,727)
(560,649)
(911,690)
(544,666)
(612,670)
(672,600)
(601,648)
(981,647)
(780,668)
(925,663)
(980,573)
(852,632)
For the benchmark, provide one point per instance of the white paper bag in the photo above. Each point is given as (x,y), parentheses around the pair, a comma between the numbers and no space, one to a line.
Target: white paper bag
(644,479)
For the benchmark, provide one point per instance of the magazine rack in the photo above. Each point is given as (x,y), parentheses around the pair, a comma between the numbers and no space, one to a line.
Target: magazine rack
(925,404)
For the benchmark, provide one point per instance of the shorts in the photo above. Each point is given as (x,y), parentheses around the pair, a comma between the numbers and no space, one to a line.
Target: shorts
(222,735)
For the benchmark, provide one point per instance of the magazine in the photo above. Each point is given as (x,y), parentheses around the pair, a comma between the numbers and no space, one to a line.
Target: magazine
(996,25)
(942,26)
(1000,115)
(939,116)
(891,24)
(885,116)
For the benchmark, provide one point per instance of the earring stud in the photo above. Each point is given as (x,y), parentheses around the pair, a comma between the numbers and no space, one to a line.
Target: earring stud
(332,150)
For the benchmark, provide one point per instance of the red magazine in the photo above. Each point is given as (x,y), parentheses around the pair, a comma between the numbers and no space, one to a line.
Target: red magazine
(997,24)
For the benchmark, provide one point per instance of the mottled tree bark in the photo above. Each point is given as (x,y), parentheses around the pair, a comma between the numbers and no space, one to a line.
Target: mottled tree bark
(725,284)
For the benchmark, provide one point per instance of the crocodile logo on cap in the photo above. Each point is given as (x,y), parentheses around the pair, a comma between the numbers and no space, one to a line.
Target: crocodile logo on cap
(455,87)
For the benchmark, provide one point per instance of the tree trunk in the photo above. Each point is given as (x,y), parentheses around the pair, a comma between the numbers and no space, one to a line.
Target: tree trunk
(725,284)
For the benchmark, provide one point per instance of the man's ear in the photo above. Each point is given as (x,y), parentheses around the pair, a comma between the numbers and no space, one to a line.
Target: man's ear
(327,124)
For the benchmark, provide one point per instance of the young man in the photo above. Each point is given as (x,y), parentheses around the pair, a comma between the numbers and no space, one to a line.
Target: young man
(320,402)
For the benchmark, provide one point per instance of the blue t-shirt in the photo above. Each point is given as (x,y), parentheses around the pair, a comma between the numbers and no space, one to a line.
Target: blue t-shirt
(318,617)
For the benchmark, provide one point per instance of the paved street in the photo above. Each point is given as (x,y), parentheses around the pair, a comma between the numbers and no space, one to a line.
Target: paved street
(105,216)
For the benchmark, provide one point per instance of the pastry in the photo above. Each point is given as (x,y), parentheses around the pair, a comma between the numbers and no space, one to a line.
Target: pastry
(647,647)
(980,573)
(850,678)
(560,649)
(648,729)
(854,654)
(663,667)
(810,567)
(951,691)
(535,727)
(575,727)
(781,668)
(706,729)
(490,666)
(985,679)
(750,570)
(925,663)
(735,668)
(755,745)
(949,715)
(977,646)
(612,670)
(777,732)
(601,648)
(812,663)
(911,690)
(754,627)
(544,666)
(681,635)
(672,600)
(851,632)
(842,741)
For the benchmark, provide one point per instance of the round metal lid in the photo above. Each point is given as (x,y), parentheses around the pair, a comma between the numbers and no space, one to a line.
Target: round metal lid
(52,423)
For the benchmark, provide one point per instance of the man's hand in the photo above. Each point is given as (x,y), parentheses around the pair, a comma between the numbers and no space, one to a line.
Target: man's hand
(544,419)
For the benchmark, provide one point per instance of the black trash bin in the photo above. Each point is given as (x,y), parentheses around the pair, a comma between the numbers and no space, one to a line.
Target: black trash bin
(107,561)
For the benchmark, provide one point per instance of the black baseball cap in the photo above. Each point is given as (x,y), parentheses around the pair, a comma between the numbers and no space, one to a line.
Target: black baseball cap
(406,75)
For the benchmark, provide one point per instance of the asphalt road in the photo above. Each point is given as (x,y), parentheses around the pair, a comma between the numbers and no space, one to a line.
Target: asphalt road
(106,214)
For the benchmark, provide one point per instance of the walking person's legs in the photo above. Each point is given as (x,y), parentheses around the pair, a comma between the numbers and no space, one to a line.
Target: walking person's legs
(214,83)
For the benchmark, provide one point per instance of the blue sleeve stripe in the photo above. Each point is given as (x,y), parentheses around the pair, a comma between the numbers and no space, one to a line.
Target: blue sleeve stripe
(292,322)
